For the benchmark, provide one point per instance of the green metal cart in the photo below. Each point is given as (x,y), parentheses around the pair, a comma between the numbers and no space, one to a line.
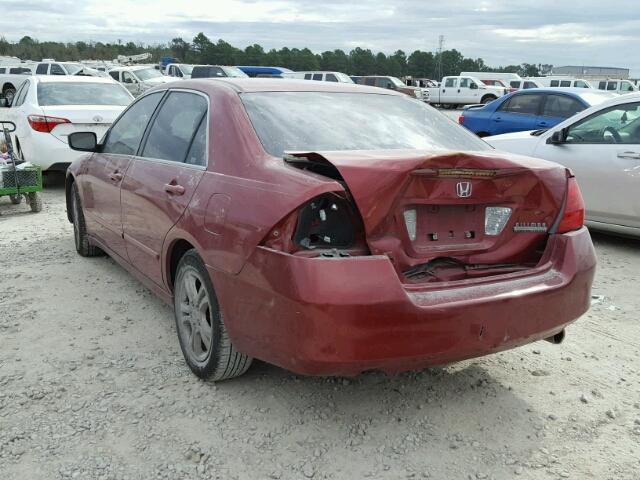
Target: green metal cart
(19,181)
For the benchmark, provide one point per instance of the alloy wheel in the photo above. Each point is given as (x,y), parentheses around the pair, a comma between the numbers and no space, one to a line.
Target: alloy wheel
(194,316)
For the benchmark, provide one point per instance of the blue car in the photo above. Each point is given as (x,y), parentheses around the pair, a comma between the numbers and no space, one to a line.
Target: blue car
(532,109)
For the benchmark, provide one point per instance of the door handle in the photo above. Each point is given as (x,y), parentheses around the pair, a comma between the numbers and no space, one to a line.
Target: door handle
(497,119)
(542,124)
(116,176)
(458,90)
(173,189)
(629,155)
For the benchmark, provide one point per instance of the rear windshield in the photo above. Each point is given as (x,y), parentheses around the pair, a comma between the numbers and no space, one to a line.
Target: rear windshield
(76,93)
(294,121)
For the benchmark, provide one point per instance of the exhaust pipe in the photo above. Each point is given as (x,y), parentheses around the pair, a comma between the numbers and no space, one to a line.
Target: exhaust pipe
(557,338)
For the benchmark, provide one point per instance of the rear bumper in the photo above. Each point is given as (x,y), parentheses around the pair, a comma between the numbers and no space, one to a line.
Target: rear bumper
(344,316)
(47,151)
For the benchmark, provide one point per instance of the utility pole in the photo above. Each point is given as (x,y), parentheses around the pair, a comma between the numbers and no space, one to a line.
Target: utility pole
(439,63)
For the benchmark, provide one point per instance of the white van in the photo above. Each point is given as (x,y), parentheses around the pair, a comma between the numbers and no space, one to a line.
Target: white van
(564,82)
(319,76)
(617,86)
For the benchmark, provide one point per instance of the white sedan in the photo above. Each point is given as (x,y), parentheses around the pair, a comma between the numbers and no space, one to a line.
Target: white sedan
(46,109)
(601,145)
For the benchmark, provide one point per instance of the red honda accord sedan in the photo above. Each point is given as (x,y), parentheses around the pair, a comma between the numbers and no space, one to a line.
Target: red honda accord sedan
(329,228)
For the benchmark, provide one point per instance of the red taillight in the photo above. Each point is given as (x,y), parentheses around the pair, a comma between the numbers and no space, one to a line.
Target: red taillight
(461,119)
(42,123)
(573,217)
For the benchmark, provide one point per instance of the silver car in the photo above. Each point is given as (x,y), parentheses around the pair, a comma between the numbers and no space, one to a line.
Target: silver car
(601,145)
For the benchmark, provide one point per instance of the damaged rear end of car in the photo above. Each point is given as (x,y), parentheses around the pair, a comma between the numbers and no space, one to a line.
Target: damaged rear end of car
(409,257)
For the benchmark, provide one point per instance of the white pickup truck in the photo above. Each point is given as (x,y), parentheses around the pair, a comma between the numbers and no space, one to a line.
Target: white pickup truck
(12,79)
(463,90)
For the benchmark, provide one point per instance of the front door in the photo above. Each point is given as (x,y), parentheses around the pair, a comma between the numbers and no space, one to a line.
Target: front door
(105,171)
(468,91)
(163,177)
(130,83)
(603,151)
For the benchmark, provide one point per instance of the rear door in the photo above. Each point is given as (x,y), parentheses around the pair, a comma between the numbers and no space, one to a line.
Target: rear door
(449,91)
(101,182)
(517,114)
(163,177)
(556,108)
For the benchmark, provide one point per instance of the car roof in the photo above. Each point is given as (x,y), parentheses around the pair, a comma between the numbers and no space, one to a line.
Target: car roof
(71,79)
(281,85)
(586,94)
(130,68)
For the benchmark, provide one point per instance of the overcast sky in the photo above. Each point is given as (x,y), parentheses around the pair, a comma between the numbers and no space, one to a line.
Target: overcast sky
(588,32)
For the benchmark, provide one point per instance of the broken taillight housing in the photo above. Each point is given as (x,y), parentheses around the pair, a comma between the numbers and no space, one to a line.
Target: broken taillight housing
(329,221)
(573,215)
(410,221)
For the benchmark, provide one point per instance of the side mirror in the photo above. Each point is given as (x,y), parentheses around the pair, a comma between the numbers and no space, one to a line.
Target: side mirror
(556,138)
(83,141)
(473,86)
(4,103)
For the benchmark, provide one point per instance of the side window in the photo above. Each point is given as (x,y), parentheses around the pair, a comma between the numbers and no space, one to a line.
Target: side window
(626,87)
(317,76)
(331,78)
(464,82)
(197,154)
(451,83)
(515,84)
(42,69)
(529,85)
(555,83)
(612,86)
(565,83)
(526,104)
(127,78)
(581,84)
(602,85)
(57,69)
(125,135)
(618,124)
(3,69)
(370,81)
(307,76)
(174,126)
(115,76)
(561,106)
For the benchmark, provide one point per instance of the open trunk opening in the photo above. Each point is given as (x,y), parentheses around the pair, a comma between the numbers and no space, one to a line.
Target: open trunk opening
(444,217)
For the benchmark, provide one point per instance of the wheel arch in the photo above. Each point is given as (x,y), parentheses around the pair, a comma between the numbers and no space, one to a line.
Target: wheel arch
(175,252)
(68,184)
(489,97)
(8,86)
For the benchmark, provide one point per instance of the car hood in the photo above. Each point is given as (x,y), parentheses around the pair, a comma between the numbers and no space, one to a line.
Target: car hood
(510,136)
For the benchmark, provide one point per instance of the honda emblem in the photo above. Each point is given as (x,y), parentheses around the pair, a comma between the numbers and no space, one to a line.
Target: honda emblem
(463,189)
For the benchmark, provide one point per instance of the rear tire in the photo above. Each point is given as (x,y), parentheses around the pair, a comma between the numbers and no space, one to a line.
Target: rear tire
(488,98)
(203,337)
(35,202)
(81,239)
(16,199)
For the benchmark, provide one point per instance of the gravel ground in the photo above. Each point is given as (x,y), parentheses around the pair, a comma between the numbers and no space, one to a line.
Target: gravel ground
(93,386)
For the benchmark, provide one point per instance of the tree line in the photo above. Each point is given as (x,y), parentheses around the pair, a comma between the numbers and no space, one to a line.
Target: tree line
(202,50)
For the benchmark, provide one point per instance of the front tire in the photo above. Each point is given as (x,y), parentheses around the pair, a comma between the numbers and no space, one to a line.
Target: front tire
(203,337)
(80,237)
(16,199)
(487,99)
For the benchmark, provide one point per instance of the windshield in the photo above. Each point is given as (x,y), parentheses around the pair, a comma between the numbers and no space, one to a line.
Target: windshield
(72,68)
(397,82)
(343,77)
(234,72)
(147,73)
(290,121)
(81,93)
(186,69)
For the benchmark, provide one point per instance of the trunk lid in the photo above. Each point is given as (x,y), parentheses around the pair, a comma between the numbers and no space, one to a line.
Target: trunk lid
(418,206)
(83,118)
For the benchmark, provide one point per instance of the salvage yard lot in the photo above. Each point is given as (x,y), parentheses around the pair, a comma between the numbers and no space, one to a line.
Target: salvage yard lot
(93,385)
